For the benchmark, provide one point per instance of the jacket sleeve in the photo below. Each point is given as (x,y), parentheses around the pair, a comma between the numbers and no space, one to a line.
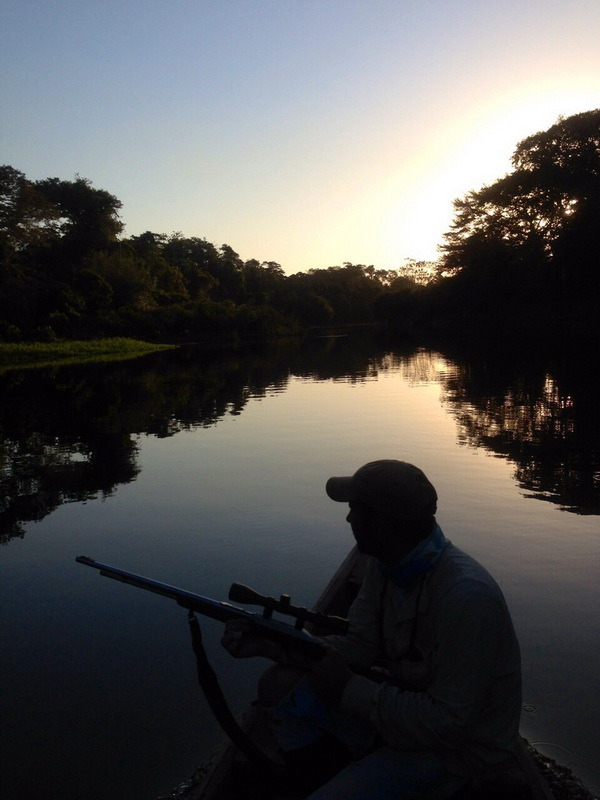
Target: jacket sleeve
(466,638)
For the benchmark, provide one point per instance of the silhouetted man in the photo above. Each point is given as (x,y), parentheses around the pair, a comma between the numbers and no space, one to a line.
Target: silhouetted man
(435,624)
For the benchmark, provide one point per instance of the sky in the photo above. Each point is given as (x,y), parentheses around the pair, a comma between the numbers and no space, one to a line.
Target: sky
(306,132)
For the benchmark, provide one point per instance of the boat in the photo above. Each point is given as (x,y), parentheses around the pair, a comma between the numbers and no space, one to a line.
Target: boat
(224,780)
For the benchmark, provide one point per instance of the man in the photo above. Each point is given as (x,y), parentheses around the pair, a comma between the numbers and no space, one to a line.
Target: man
(436,623)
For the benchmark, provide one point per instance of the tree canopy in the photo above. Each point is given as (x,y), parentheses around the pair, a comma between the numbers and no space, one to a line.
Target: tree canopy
(543,217)
(66,271)
(529,240)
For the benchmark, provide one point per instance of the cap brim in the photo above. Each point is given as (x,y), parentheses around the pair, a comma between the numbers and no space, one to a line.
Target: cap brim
(339,489)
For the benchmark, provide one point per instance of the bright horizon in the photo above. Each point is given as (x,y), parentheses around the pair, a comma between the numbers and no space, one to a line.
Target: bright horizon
(306,132)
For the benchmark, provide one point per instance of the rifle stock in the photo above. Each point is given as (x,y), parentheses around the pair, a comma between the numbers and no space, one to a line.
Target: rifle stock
(282,633)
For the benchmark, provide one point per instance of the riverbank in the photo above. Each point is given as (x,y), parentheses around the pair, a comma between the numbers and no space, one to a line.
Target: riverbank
(37,353)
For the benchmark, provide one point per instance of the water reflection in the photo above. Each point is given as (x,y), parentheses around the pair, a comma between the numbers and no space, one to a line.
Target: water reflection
(537,413)
(69,433)
(41,470)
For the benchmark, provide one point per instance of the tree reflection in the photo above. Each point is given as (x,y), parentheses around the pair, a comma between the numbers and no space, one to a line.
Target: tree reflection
(69,434)
(536,412)
(41,471)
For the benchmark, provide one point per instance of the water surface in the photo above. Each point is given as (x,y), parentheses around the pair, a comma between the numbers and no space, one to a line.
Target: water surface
(201,470)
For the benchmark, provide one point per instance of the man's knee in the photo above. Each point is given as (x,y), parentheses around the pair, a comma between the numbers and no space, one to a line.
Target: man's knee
(277,682)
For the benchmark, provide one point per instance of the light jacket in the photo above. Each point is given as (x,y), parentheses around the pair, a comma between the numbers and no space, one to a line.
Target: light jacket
(451,639)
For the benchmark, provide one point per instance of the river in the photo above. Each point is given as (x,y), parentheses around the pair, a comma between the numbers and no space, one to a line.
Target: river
(200,469)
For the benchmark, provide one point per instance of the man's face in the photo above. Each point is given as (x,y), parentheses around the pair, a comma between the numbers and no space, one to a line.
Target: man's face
(362,521)
(377,535)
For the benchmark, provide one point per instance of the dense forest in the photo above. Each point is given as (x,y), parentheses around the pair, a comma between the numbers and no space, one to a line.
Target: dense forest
(525,249)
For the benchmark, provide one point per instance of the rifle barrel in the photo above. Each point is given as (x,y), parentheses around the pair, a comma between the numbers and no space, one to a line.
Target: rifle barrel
(275,630)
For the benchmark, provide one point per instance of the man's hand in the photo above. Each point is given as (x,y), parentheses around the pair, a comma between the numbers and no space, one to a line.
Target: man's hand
(240,642)
(329,676)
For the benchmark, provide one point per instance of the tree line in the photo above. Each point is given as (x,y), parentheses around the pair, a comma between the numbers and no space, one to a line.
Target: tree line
(526,245)
(67,272)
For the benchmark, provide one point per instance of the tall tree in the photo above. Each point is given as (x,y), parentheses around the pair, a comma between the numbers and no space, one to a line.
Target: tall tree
(89,218)
(27,218)
(532,217)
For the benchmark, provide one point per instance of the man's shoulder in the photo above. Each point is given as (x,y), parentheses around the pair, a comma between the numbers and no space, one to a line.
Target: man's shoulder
(456,568)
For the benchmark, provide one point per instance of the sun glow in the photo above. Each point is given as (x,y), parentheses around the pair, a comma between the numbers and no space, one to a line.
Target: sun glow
(476,150)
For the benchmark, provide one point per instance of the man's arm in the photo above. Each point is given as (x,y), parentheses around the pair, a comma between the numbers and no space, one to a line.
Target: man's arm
(465,653)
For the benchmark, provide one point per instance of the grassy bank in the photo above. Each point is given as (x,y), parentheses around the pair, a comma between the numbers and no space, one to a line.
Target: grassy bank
(60,351)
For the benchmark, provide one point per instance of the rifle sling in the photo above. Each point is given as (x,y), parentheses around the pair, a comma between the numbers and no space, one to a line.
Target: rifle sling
(216,700)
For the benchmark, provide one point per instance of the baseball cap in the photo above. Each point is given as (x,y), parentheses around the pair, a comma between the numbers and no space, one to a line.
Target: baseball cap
(396,488)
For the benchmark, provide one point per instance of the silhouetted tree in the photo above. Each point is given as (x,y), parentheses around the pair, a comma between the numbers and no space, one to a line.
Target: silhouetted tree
(542,217)
(89,218)
(27,218)
(197,261)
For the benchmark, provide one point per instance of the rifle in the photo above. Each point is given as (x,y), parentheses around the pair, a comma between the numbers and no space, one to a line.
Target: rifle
(291,637)
(288,636)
